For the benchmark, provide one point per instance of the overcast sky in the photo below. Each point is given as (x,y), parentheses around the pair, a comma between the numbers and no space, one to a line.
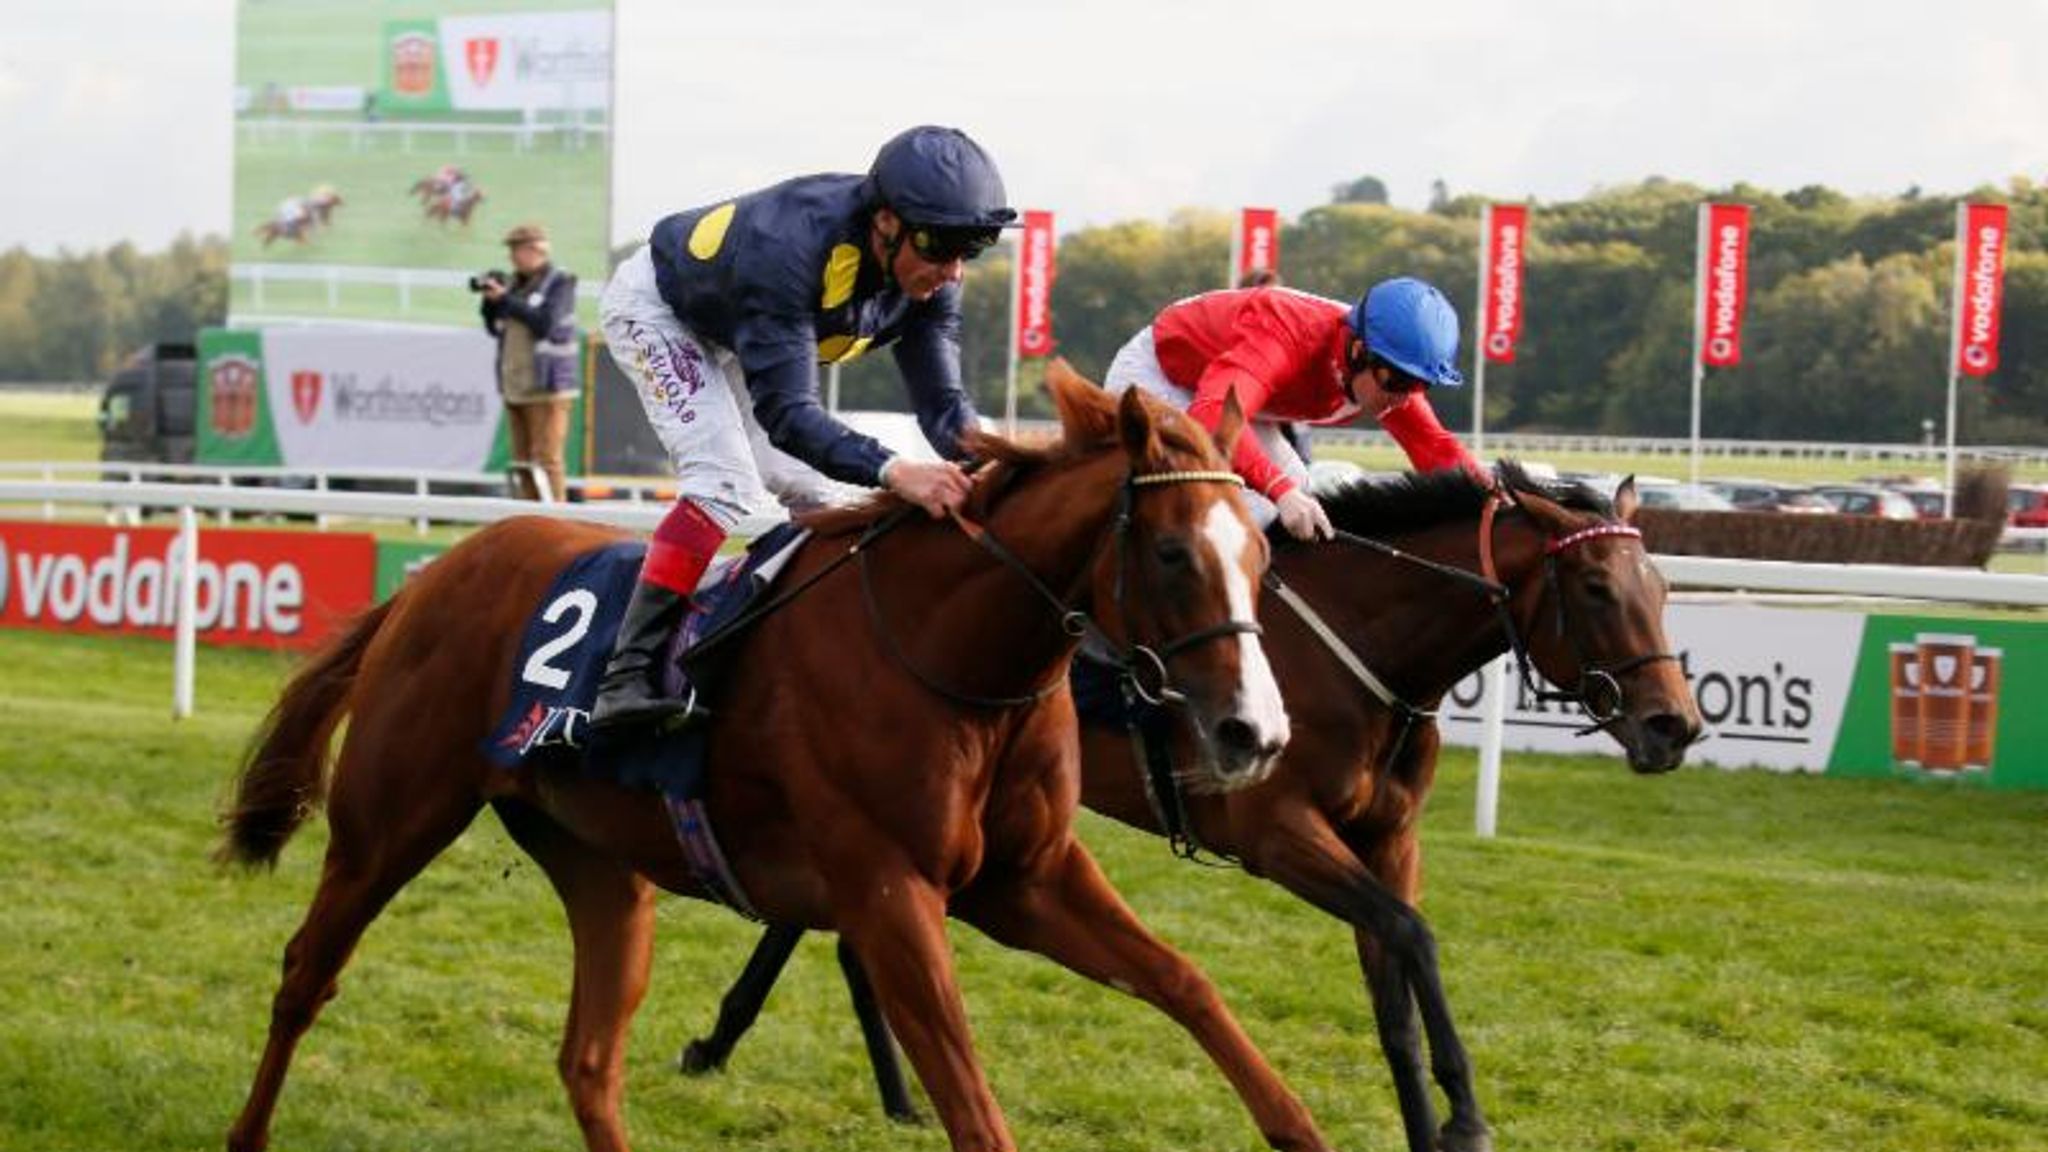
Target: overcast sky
(114,118)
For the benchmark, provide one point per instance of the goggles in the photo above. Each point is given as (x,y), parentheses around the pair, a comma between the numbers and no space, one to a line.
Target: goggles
(943,244)
(1398,381)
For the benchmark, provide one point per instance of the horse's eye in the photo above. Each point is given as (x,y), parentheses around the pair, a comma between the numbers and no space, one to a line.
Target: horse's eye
(1173,552)
(1598,590)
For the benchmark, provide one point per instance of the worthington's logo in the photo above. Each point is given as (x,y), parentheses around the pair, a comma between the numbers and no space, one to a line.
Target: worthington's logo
(390,401)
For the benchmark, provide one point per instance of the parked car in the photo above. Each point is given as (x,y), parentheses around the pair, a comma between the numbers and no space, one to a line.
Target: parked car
(1771,496)
(2027,505)
(1868,500)
(1926,501)
(1681,496)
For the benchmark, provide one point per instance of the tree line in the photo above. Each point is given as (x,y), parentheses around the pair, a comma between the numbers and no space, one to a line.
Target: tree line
(1847,335)
(75,316)
(1847,332)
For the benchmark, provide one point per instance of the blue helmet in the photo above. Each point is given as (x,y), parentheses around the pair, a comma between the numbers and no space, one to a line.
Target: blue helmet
(939,178)
(1410,325)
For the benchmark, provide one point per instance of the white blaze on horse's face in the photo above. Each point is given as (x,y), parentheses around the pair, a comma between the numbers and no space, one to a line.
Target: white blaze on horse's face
(1258,694)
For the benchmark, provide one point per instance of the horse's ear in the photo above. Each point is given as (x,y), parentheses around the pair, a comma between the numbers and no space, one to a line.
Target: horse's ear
(1086,414)
(1134,425)
(1231,426)
(1626,501)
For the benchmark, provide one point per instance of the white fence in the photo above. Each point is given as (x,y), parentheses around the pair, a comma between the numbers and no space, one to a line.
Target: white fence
(333,276)
(571,134)
(1753,576)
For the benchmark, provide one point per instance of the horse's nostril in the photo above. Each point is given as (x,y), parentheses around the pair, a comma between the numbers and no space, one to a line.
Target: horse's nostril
(1671,728)
(1236,735)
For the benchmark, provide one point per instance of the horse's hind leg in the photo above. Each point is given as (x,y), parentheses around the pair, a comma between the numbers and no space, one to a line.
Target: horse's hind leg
(611,916)
(1067,911)
(375,847)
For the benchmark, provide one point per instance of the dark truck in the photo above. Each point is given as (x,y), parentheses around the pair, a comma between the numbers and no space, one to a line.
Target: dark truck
(148,411)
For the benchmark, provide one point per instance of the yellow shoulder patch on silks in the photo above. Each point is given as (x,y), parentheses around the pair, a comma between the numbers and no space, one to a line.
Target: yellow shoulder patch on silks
(709,234)
(841,269)
(840,349)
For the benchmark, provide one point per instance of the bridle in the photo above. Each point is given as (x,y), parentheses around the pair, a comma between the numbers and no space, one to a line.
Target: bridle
(1142,669)
(1599,692)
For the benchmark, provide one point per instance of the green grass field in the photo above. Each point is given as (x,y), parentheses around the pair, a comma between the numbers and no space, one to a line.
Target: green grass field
(1703,961)
(51,426)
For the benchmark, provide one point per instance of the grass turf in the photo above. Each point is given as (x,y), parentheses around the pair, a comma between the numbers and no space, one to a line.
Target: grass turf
(1701,961)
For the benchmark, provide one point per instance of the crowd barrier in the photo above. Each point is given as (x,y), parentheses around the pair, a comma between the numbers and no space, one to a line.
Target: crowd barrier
(1751,577)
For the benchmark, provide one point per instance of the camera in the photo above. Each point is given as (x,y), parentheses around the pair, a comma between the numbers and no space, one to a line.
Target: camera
(477,282)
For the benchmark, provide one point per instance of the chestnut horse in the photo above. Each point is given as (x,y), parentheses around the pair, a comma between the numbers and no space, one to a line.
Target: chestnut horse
(871,769)
(1424,585)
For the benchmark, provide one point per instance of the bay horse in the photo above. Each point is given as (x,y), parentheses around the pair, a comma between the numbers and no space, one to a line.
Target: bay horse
(868,778)
(1426,582)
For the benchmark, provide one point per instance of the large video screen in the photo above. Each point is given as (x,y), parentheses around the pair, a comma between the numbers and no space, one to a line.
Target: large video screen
(382,151)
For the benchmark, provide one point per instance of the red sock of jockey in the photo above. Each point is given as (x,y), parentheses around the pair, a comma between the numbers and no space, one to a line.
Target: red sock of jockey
(683,546)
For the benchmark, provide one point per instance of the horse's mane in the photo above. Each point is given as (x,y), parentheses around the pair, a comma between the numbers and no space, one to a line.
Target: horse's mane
(1005,462)
(1414,501)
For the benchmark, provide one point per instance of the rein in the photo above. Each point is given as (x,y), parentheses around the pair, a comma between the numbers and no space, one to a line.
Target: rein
(1135,661)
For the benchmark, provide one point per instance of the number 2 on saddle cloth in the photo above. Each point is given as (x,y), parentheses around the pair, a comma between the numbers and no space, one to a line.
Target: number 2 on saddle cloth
(562,657)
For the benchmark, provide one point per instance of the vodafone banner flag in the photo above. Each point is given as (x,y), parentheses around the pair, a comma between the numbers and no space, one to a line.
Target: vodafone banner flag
(1979,287)
(1500,321)
(1034,285)
(1724,280)
(1256,247)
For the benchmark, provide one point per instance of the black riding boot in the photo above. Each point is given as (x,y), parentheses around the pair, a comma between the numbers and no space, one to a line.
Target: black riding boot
(631,694)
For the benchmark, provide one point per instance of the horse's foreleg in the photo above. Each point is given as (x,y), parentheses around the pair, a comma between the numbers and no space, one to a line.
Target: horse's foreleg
(1398,954)
(359,877)
(1396,863)
(742,1003)
(894,921)
(611,916)
(1069,913)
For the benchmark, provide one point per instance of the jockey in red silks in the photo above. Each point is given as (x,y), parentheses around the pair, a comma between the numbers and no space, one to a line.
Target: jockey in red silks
(1292,356)
(722,320)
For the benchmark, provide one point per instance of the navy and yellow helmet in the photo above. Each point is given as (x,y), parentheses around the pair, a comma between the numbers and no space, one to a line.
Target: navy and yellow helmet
(941,183)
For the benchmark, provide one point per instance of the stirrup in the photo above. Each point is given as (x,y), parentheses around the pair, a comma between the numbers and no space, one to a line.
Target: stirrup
(656,715)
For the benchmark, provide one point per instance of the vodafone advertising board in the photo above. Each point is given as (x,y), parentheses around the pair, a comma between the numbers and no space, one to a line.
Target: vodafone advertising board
(254,589)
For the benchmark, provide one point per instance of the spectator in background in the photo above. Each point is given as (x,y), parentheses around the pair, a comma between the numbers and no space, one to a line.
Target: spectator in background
(534,319)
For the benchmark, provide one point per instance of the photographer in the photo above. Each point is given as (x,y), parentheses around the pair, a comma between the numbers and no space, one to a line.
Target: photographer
(534,318)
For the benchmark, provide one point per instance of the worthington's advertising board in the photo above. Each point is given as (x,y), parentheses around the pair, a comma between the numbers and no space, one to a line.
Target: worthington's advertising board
(319,397)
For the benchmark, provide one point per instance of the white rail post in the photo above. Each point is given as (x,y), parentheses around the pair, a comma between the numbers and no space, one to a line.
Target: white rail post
(1493,722)
(187,631)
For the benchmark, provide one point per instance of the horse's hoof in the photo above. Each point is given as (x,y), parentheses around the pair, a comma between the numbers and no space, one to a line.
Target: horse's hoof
(908,1118)
(698,1060)
(1454,1138)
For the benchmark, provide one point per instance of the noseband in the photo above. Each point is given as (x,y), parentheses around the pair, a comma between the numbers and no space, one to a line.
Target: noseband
(1141,668)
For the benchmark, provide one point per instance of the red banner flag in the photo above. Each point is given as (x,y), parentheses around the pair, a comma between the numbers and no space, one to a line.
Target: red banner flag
(1500,320)
(1724,279)
(1034,286)
(1256,245)
(1980,287)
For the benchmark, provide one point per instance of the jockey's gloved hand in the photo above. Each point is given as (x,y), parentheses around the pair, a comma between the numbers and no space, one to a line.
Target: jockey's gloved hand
(1303,516)
(937,486)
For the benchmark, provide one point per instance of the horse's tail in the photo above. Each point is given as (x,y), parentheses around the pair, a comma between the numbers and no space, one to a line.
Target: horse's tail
(284,770)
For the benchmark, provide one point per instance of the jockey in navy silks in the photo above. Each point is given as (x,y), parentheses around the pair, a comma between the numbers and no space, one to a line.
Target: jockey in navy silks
(721,321)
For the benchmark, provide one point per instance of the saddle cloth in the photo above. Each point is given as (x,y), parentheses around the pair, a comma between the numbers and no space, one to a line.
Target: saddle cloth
(569,638)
